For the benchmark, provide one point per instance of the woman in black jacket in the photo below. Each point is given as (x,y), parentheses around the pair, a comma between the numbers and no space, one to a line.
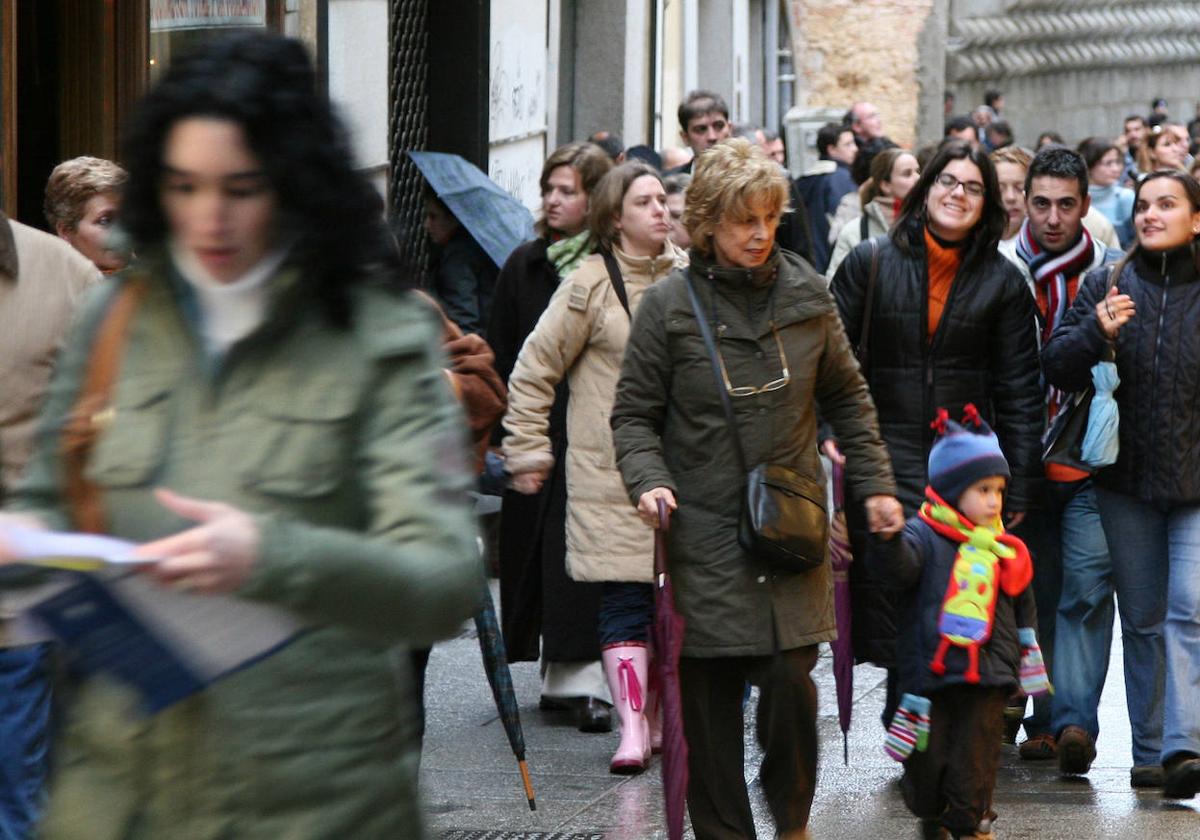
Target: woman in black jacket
(951,322)
(538,601)
(1150,498)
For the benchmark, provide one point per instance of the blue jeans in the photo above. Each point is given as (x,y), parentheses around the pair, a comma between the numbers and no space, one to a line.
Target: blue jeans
(24,737)
(626,612)
(1154,548)
(1085,616)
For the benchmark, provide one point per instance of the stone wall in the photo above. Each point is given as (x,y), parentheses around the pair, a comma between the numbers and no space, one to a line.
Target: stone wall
(850,50)
(1075,66)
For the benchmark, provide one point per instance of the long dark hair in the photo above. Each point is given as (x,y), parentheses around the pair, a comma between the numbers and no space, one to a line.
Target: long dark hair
(265,83)
(909,230)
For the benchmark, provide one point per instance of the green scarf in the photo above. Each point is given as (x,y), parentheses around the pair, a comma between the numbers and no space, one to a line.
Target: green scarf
(566,254)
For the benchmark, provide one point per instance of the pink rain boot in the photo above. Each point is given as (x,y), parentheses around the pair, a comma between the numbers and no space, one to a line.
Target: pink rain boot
(626,666)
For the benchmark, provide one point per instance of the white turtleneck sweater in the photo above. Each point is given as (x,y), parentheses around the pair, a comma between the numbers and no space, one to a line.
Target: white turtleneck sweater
(229,311)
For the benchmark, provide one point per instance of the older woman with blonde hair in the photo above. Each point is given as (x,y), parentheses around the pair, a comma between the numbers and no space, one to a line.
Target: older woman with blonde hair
(779,349)
(83,197)
(581,338)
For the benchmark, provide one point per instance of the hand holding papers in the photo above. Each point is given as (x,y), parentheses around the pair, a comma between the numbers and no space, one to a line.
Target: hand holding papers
(73,552)
(165,642)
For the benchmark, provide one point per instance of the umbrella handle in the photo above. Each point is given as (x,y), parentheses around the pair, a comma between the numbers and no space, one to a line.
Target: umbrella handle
(664,515)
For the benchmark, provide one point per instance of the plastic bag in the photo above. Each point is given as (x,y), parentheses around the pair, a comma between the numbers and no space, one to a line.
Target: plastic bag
(1101,442)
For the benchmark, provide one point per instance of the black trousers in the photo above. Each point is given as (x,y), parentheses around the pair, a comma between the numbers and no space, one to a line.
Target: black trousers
(712,689)
(952,781)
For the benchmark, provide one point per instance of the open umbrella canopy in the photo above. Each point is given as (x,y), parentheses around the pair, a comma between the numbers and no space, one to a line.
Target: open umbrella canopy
(496,220)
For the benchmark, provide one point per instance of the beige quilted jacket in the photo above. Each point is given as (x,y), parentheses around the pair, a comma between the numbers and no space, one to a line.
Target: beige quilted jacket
(581,337)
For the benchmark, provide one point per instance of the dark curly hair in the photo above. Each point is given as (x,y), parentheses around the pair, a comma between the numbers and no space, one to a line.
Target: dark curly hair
(265,83)
(908,232)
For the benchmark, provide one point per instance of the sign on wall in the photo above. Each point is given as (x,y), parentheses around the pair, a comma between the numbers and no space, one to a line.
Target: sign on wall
(517,97)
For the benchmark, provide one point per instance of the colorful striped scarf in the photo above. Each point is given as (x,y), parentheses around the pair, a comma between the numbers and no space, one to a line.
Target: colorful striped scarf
(1055,276)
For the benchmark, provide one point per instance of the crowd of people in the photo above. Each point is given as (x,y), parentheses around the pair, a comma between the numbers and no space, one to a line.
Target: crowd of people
(274,425)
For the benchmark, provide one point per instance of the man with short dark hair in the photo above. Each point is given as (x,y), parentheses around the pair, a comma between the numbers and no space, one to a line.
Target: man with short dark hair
(772,144)
(703,123)
(1135,137)
(961,128)
(816,195)
(611,143)
(1074,577)
(997,135)
(994,99)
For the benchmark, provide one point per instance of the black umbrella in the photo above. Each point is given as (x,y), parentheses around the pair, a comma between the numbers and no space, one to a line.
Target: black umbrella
(495,665)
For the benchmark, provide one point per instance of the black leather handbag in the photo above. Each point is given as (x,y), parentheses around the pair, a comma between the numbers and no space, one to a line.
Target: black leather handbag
(784,521)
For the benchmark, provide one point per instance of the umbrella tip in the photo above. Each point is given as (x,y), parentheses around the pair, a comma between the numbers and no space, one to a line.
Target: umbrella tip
(532,805)
(846,748)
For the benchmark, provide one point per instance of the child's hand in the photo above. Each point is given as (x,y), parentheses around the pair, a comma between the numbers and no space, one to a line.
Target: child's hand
(885,516)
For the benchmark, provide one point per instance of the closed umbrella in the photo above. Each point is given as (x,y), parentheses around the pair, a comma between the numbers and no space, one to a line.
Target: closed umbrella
(841,557)
(668,641)
(495,665)
(496,220)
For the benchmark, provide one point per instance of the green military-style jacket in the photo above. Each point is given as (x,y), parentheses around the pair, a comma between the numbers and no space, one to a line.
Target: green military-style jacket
(346,446)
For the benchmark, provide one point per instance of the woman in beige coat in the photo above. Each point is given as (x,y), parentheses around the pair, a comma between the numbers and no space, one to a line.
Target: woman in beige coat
(581,336)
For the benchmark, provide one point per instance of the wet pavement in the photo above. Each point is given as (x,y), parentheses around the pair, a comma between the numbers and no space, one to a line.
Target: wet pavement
(472,789)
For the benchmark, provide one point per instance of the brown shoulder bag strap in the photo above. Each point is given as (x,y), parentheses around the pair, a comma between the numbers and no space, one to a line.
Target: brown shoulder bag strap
(93,411)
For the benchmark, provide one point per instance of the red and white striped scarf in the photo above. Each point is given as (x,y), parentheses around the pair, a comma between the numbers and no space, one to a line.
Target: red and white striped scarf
(1055,276)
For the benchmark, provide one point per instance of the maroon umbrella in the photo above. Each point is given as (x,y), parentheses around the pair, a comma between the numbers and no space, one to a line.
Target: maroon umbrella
(841,557)
(668,640)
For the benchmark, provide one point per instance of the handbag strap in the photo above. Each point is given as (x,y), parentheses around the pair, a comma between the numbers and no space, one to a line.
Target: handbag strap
(614,277)
(864,336)
(864,227)
(710,345)
(92,411)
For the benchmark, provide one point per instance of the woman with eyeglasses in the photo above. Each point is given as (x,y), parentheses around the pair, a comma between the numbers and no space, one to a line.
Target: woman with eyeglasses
(951,322)
(779,350)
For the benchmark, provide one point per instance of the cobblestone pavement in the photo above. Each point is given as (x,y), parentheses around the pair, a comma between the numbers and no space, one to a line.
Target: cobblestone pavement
(472,789)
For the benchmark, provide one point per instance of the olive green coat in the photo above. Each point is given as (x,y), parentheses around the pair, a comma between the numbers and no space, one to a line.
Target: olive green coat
(346,446)
(670,431)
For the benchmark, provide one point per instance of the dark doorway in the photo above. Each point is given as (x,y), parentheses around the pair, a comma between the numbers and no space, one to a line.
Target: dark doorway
(37,105)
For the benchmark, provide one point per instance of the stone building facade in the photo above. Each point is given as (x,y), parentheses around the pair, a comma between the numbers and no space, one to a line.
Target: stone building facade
(1074,66)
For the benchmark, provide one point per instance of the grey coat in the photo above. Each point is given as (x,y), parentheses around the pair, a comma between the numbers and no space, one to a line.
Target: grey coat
(670,431)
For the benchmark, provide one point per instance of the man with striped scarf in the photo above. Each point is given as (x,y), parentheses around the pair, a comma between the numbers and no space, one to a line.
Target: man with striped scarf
(1073,572)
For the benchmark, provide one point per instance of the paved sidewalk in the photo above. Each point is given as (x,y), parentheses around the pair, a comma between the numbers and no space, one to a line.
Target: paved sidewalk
(472,789)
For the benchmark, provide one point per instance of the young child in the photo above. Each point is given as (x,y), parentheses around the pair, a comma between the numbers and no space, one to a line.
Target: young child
(966,618)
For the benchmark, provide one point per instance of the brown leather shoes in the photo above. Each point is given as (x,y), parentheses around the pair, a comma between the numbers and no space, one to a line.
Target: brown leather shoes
(1038,748)
(1076,751)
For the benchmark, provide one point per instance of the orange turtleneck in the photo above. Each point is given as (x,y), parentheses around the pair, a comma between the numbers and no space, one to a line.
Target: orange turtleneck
(944,264)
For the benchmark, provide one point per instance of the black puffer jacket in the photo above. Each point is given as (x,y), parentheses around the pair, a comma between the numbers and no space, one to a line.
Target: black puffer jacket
(983,352)
(1158,359)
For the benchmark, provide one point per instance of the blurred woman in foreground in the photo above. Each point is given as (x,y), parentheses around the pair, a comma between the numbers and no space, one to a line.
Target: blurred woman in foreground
(297,412)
